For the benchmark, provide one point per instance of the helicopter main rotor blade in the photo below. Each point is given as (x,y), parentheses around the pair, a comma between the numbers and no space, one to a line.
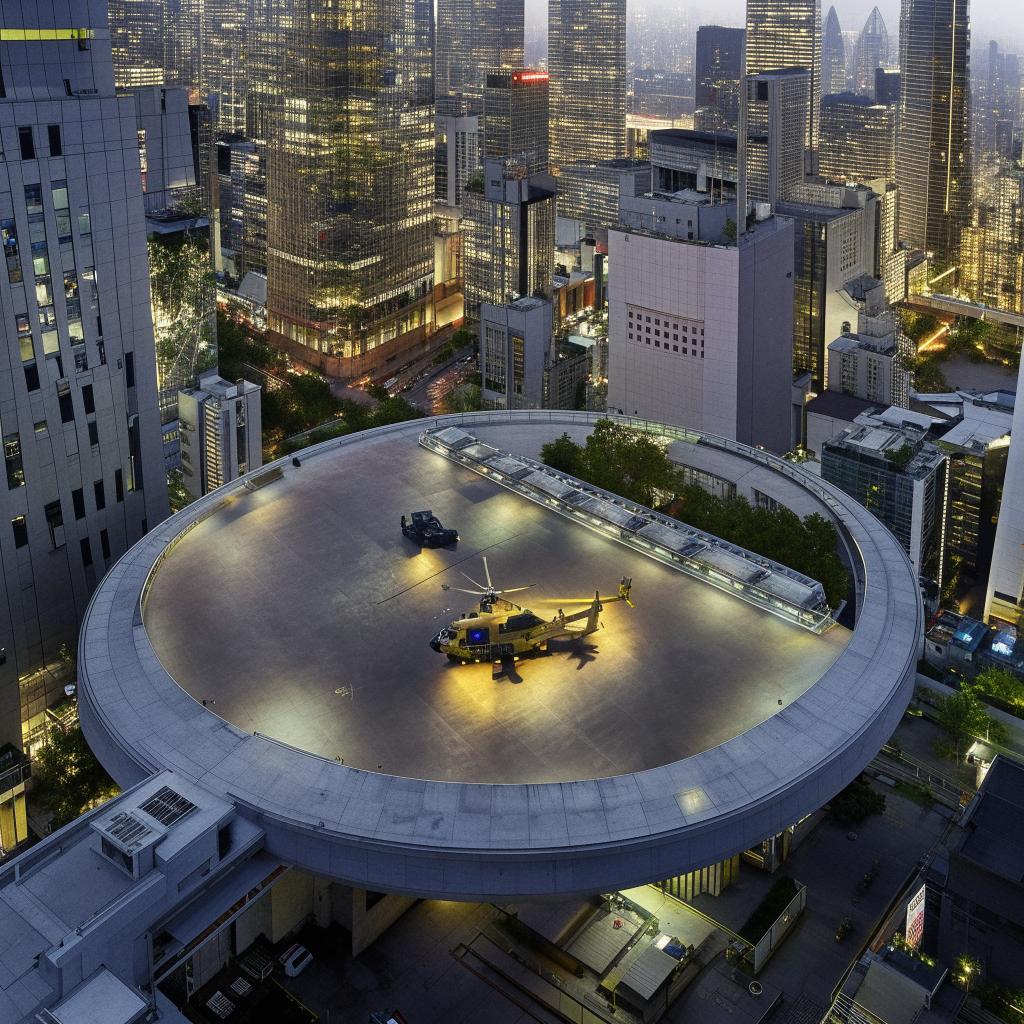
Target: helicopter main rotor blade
(482,588)
(514,590)
(463,590)
(487,575)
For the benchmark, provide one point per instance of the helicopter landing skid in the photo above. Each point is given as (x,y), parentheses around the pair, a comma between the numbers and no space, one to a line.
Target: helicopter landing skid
(506,669)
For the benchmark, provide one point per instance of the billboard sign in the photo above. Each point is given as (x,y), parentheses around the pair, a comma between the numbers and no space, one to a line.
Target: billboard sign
(915,918)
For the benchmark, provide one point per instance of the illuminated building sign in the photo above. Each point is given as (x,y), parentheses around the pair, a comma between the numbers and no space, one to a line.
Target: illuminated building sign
(915,918)
(525,77)
(42,35)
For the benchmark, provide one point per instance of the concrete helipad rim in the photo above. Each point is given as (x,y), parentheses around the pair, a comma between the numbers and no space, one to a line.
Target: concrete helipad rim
(474,840)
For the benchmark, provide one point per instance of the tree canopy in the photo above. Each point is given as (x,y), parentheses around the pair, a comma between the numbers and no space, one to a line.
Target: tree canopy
(632,464)
(965,717)
(68,778)
(624,461)
(807,545)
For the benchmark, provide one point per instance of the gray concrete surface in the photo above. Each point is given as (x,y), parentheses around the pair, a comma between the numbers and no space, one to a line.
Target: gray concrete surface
(271,607)
(476,841)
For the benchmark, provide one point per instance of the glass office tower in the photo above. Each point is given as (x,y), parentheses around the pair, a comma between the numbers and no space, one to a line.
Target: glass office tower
(833,56)
(587,62)
(871,53)
(933,160)
(350,180)
(787,34)
(137,34)
(717,75)
(475,38)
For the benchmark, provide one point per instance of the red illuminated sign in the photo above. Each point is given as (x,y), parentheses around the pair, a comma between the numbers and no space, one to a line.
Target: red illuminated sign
(520,77)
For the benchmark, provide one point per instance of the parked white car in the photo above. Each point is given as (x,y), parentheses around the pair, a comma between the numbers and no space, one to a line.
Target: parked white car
(295,960)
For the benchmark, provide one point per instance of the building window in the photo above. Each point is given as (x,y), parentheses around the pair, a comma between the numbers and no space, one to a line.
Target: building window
(27,143)
(78,502)
(20,528)
(118,485)
(94,434)
(53,131)
(129,369)
(87,400)
(86,552)
(34,200)
(105,544)
(9,235)
(31,377)
(55,522)
(67,408)
(12,460)
(101,500)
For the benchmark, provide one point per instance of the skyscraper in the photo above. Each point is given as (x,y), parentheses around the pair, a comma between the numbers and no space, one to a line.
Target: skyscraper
(587,61)
(992,251)
(787,34)
(350,181)
(516,117)
(833,56)
(933,162)
(81,430)
(858,139)
(776,107)
(137,32)
(509,236)
(223,62)
(716,76)
(475,37)
(871,52)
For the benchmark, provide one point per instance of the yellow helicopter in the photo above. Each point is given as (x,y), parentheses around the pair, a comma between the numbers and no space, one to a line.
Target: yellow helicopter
(501,630)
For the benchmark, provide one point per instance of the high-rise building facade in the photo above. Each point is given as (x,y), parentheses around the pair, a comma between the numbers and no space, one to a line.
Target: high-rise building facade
(183,44)
(587,62)
(858,139)
(992,247)
(508,237)
(81,430)
(833,56)
(886,463)
(836,234)
(221,435)
(933,160)
(457,151)
(350,182)
(870,53)
(887,86)
(137,33)
(223,62)
(515,352)
(516,117)
(474,38)
(787,34)
(716,75)
(776,120)
(700,323)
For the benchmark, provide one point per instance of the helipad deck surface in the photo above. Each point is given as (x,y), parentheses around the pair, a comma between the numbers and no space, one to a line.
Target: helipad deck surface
(305,615)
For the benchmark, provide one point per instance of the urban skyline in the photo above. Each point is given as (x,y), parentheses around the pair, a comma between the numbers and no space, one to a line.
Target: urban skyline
(511,522)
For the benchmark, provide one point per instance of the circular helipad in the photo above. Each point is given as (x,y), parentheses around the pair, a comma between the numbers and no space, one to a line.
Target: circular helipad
(271,642)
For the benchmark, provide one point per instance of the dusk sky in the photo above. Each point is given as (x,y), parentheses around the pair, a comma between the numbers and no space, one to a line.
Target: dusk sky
(990,19)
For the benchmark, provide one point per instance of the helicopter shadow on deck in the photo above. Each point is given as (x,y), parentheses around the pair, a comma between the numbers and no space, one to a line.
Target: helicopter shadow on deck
(578,650)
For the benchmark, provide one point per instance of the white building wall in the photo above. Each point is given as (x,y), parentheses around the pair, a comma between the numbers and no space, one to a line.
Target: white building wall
(1003,597)
(695,285)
